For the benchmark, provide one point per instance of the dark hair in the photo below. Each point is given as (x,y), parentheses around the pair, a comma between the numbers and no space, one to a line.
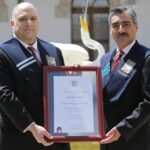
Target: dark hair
(121,10)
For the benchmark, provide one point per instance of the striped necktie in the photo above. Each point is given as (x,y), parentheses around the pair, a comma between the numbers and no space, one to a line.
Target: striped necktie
(116,60)
(34,55)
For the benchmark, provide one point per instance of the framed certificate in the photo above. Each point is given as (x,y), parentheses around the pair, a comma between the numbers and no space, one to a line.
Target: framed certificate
(73,103)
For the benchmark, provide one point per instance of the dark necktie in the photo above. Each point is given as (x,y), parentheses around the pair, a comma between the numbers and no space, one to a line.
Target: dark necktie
(116,60)
(34,55)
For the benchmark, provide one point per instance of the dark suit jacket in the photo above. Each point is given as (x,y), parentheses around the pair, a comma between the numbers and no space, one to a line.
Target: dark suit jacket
(127,99)
(21,91)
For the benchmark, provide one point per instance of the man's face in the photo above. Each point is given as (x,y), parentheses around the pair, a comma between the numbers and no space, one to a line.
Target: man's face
(26,24)
(123,29)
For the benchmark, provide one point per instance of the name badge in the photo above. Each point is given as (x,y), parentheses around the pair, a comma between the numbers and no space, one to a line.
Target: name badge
(128,66)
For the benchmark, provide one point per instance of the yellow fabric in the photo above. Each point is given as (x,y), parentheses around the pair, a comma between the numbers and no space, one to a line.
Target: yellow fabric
(84,24)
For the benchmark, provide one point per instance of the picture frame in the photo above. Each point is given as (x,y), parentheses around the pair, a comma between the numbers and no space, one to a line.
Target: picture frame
(73,109)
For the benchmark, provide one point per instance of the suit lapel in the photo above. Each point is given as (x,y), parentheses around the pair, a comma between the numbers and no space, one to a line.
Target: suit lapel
(43,54)
(125,72)
(106,67)
(25,64)
(48,54)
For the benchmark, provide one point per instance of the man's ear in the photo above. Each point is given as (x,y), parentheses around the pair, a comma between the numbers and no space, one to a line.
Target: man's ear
(137,27)
(12,23)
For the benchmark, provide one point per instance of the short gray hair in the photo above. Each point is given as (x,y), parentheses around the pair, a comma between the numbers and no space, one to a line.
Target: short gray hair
(121,10)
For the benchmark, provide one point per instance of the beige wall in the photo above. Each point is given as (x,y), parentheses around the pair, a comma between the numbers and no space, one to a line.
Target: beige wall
(5,29)
(143,11)
(56,23)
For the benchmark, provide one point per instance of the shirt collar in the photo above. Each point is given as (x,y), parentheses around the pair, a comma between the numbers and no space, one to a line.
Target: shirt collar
(26,45)
(127,48)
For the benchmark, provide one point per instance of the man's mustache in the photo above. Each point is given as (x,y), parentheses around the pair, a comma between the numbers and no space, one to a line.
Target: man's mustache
(123,34)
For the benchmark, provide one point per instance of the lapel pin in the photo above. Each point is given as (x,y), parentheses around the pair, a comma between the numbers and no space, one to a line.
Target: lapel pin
(50,60)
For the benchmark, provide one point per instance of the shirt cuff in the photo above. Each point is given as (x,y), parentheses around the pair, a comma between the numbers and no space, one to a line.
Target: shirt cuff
(28,127)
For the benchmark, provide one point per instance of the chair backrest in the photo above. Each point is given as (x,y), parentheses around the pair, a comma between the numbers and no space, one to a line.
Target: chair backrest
(73,54)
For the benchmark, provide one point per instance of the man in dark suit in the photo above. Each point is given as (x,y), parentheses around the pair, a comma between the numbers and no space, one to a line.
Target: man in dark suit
(21,85)
(126,86)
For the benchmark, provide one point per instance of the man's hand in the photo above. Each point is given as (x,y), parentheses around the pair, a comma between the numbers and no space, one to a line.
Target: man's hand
(40,134)
(111,136)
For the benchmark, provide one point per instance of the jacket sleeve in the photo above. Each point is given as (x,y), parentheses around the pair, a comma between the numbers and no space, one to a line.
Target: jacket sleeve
(10,104)
(129,126)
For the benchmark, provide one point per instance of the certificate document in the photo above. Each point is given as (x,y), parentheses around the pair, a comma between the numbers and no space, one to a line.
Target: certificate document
(73,105)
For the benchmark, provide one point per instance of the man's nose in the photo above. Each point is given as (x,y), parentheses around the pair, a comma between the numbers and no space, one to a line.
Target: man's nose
(29,21)
(121,29)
